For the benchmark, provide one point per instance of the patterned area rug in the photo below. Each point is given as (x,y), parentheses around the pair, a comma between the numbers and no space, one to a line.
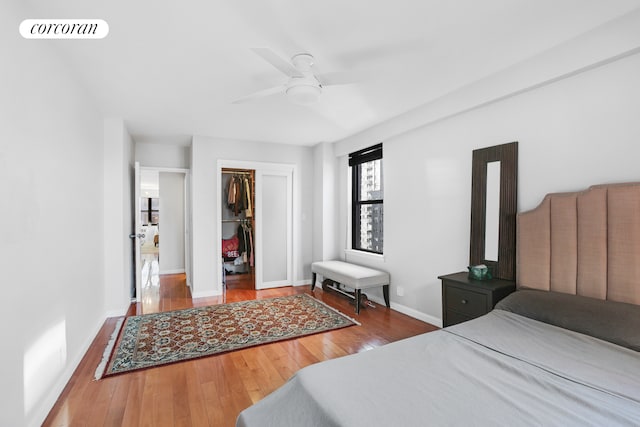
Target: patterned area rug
(156,339)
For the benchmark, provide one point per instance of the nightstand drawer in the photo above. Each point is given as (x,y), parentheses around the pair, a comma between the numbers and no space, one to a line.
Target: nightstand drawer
(466,302)
(465,299)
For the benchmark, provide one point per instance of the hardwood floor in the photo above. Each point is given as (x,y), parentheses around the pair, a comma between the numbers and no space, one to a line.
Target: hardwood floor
(241,281)
(212,391)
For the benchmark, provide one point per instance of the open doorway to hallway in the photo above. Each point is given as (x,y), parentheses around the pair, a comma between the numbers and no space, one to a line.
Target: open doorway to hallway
(149,214)
(162,227)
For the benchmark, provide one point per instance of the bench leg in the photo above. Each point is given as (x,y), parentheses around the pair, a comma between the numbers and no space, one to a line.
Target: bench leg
(313,281)
(358,295)
(385,291)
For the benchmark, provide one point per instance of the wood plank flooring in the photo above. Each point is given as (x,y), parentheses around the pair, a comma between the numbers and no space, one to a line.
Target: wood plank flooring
(212,391)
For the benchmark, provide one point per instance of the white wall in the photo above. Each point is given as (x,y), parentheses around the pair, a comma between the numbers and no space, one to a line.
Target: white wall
(205,154)
(128,195)
(51,223)
(118,206)
(325,202)
(573,132)
(157,155)
(171,224)
(317,212)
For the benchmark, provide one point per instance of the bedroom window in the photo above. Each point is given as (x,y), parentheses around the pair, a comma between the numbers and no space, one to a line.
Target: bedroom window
(367,195)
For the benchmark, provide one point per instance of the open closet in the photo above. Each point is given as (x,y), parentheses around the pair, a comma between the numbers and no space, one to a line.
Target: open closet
(238,225)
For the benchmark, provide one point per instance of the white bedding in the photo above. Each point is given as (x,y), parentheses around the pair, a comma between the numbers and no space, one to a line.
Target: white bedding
(500,369)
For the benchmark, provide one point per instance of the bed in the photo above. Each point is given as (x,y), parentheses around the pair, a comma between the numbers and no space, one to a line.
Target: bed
(562,350)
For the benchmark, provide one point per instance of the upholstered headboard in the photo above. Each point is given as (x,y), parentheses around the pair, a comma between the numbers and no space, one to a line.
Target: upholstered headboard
(585,243)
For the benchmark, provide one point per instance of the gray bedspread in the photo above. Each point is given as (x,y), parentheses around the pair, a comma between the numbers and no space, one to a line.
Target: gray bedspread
(498,370)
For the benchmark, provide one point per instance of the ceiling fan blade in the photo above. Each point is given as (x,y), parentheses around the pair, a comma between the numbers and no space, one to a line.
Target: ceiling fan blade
(338,78)
(260,94)
(282,65)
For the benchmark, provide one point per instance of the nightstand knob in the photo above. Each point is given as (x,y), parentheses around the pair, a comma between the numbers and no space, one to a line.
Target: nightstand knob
(464,301)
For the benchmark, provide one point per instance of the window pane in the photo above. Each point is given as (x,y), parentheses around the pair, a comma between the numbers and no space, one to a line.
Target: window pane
(144,218)
(155,217)
(371,180)
(155,204)
(371,233)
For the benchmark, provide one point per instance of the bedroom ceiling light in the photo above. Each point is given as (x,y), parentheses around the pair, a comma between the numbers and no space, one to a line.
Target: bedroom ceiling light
(303,89)
(303,86)
(303,94)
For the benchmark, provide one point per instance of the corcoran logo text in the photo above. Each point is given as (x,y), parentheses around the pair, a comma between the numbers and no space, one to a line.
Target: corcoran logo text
(64,28)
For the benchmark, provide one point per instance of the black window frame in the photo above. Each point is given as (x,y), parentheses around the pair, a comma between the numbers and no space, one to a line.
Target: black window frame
(355,160)
(149,211)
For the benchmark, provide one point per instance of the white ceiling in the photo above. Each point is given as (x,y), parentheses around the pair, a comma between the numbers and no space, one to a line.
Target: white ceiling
(171,69)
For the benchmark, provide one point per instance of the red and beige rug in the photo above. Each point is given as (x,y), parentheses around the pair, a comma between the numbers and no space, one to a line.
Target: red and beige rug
(151,340)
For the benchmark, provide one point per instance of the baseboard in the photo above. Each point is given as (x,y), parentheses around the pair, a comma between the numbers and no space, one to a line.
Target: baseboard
(117,313)
(409,311)
(177,271)
(302,282)
(394,305)
(206,294)
(57,388)
(274,284)
(120,312)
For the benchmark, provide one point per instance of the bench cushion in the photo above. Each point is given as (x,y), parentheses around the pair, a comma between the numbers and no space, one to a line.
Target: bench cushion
(352,275)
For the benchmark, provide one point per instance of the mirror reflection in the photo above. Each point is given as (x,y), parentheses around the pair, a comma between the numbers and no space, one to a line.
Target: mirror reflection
(492,219)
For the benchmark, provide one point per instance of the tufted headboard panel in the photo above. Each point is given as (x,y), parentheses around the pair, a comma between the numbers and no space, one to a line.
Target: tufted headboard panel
(585,243)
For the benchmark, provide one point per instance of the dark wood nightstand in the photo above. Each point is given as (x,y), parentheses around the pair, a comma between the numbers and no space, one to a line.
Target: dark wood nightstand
(465,299)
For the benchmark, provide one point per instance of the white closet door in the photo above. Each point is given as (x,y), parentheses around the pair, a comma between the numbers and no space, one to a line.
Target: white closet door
(276,230)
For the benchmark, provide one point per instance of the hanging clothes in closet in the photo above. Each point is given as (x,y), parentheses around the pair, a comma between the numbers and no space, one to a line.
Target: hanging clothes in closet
(245,246)
(239,195)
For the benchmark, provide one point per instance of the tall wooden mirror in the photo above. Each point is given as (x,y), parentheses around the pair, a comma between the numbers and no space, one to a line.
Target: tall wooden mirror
(494,195)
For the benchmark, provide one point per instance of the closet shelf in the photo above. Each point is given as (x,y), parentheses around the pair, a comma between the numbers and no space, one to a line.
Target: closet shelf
(228,172)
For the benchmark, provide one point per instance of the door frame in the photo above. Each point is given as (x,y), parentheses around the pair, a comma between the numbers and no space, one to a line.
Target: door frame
(261,169)
(187,222)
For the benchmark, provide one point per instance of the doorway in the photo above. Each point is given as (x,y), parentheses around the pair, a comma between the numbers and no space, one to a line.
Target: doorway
(237,215)
(162,221)
(149,217)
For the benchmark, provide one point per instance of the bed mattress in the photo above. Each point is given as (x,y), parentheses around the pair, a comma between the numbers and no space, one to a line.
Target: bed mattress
(500,369)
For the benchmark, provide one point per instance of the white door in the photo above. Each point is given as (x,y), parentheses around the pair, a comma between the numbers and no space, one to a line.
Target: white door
(138,233)
(145,247)
(276,229)
(187,228)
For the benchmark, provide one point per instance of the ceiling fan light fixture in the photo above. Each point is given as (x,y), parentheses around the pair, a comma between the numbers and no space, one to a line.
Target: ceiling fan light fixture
(303,94)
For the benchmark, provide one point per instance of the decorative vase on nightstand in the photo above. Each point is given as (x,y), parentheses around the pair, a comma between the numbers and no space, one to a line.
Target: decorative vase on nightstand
(479,272)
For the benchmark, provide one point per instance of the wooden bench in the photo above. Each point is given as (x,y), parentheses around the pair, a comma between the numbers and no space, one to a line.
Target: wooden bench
(353,276)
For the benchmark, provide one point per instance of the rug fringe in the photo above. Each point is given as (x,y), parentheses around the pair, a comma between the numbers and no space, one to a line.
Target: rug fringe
(107,351)
(335,309)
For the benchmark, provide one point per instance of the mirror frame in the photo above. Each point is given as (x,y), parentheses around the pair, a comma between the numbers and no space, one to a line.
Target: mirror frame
(507,155)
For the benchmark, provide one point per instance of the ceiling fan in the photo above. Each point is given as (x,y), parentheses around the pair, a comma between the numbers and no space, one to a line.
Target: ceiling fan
(303,87)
